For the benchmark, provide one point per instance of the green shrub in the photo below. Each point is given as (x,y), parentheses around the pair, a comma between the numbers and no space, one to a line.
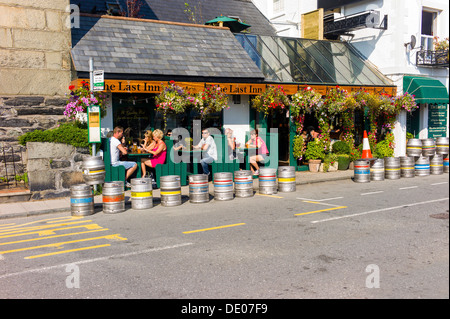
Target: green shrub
(298,146)
(315,150)
(383,150)
(341,147)
(70,133)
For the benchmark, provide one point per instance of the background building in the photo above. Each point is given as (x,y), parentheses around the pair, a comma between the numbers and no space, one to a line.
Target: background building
(394,35)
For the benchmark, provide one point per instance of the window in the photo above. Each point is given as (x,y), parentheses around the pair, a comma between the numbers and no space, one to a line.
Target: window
(278,6)
(428,29)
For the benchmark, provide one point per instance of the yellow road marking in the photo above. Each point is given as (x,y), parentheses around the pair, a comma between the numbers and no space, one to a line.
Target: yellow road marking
(48,220)
(49,237)
(41,227)
(322,210)
(52,231)
(213,228)
(56,245)
(273,196)
(67,251)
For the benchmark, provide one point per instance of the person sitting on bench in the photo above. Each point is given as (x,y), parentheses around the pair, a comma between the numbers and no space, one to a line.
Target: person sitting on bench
(261,151)
(118,148)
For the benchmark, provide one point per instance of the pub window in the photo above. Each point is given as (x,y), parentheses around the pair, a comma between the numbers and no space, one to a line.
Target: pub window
(428,29)
(278,6)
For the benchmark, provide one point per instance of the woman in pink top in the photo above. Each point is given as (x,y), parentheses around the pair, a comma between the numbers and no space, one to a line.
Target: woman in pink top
(159,153)
(261,152)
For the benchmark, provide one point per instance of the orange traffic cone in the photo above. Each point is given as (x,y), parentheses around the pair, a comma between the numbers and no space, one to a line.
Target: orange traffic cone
(366,153)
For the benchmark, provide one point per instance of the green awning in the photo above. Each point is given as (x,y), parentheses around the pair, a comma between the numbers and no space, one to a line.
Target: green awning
(425,90)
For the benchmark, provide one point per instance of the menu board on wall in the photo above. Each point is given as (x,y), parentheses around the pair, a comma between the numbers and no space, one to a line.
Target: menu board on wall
(437,120)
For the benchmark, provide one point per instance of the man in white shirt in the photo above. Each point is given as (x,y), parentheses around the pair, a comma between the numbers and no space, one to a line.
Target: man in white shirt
(209,155)
(116,148)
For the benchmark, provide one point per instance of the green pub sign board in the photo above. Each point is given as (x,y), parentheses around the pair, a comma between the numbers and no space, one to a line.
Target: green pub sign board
(437,120)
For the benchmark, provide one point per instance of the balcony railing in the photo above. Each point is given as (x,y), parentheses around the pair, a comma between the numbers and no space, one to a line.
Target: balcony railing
(437,59)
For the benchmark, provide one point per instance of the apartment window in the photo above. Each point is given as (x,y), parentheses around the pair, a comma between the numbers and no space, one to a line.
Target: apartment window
(278,6)
(428,29)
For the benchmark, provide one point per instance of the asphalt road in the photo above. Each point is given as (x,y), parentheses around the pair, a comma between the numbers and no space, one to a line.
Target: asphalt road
(386,239)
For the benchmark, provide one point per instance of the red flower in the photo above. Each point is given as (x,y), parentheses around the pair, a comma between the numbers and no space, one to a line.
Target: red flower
(71,87)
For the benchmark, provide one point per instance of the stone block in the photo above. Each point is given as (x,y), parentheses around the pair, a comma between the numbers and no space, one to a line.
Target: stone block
(69,179)
(38,164)
(6,38)
(60,164)
(37,150)
(41,180)
(22,59)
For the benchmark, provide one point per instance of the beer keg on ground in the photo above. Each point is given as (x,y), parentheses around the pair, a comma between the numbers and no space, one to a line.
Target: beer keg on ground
(422,166)
(81,200)
(93,170)
(436,165)
(414,147)
(113,197)
(198,188)
(428,147)
(170,190)
(392,167)
(286,179)
(141,193)
(268,181)
(243,183)
(442,145)
(361,171)
(377,169)
(223,186)
(446,163)
(407,166)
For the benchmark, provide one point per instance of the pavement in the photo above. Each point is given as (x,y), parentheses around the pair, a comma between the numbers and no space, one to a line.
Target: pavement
(60,205)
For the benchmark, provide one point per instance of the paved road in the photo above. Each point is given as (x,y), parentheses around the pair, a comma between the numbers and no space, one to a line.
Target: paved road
(330,240)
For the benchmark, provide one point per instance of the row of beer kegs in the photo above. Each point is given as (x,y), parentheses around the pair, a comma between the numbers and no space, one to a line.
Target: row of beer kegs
(226,187)
(424,157)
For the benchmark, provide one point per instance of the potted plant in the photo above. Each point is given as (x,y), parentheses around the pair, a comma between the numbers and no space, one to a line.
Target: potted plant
(314,155)
(342,151)
(330,163)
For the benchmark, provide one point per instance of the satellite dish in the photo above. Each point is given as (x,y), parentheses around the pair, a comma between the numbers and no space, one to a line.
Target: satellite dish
(413,42)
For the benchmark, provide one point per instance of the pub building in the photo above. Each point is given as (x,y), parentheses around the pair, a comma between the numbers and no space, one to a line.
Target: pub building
(139,55)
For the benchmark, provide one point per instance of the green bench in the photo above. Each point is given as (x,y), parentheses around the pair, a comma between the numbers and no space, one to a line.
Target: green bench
(169,168)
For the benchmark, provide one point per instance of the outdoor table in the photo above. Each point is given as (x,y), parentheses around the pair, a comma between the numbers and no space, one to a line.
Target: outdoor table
(136,157)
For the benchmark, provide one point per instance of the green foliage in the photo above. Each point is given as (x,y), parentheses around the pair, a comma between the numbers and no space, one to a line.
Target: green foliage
(341,147)
(409,135)
(298,147)
(330,159)
(70,133)
(315,150)
(383,150)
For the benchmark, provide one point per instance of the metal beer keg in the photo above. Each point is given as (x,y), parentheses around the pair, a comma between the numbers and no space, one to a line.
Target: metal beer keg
(243,183)
(223,186)
(170,190)
(436,165)
(442,146)
(113,197)
(81,200)
(93,170)
(286,179)
(377,170)
(446,163)
(198,189)
(268,181)
(422,166)
(407,166)
(414,147)
(141,193)
(392,167)
(361,171)
(428,147)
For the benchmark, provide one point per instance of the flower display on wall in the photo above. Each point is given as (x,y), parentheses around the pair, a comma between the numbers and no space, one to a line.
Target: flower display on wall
(210,100)
(274,98)
(80,99)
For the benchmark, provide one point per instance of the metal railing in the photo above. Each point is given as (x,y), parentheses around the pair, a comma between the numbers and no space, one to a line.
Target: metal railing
(432,58)
(12,170)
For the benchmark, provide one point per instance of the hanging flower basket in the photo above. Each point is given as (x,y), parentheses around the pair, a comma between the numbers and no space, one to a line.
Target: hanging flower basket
(210,100)
(172,99)
(271,100)
(80,99)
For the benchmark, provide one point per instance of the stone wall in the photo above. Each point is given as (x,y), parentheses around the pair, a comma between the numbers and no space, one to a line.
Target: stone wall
(53,168)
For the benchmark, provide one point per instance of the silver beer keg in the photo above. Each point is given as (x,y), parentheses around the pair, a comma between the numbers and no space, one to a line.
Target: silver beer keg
(170,190)
(198,189)
(113,197)
(243,183)
(286,179)
(223,186)
(141,193)
(81,200)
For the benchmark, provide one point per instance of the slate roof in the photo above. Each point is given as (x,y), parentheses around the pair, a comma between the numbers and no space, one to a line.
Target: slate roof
(173,10)
(151,49)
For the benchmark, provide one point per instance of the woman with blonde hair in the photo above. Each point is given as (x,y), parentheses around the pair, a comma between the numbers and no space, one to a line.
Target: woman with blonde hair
(148,142)
(158,151)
